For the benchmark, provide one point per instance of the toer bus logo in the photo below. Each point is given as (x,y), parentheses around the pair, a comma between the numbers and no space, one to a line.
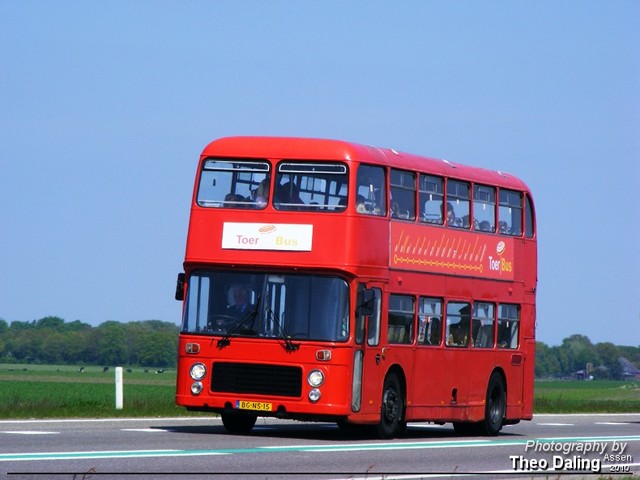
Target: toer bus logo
(267,229)
(501,264)
(267,236)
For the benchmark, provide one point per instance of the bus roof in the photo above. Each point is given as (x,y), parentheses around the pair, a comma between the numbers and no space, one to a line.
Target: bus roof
(297,148)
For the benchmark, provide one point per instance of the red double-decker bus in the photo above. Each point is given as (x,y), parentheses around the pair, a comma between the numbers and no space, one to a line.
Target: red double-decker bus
(331,281)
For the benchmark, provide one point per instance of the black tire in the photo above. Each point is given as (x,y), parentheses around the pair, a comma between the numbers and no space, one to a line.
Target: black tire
(239,423)
(392,408)
(495,406)
(494,411)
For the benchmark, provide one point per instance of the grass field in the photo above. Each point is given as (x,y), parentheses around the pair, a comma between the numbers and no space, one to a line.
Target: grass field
(602,396)
(46,391)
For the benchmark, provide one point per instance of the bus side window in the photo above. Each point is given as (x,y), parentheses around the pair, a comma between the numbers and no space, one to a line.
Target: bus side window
(429,323)
(484,208)
(457,213)
(510,213)
(431,195)
(373,326)
(373,331)
(508,325)
(482,325)
(400,321)
(457,324)
(403,195)
(528,215)
(371,196)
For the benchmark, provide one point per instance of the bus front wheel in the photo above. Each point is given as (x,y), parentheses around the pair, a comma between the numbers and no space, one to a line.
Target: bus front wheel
(392,408)
(239,423)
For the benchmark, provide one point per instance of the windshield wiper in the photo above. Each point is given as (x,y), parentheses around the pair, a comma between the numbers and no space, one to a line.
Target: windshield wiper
(289,346)
(224,341)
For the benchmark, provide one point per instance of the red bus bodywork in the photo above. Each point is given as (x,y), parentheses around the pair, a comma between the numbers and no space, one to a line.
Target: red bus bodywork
(400,257)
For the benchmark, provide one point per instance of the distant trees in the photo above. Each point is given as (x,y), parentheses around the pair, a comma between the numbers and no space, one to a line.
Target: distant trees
(578,354)
(153,343)
(150,343)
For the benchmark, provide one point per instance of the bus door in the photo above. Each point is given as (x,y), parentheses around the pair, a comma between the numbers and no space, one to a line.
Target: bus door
(368,362)
(462,363)
(429,387)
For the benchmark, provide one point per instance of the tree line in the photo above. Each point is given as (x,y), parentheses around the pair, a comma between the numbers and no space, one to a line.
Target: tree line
(578,357)
(51,340)
(154,343)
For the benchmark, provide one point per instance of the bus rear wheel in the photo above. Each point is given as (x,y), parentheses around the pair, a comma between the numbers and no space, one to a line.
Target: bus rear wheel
(392,408)
(495,406)
(494,411)
(239,423)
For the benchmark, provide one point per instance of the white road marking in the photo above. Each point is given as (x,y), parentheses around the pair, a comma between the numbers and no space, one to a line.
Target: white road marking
(152,430)
(557,424)
(28,432)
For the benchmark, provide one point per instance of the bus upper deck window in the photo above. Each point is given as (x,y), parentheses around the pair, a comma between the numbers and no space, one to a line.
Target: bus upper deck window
(510,213)
(371,196)
(529,220)
(403,195)
(430,201)
(311,186)
(484,208)
(457,204)
(232,183)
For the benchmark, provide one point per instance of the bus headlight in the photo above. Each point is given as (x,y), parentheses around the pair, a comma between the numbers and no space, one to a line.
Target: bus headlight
(198,371)
(314,395)
(315,378)
(196,388)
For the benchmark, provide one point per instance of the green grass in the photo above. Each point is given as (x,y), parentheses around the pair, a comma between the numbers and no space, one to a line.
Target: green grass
(46,391)
(602,396)
(20,399)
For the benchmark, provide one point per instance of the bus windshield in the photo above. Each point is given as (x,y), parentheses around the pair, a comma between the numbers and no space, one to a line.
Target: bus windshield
(287,306)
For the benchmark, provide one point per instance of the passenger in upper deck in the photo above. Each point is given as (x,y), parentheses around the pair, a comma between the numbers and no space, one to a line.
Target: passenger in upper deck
(234,200)
(484,226)
(261,194)
(452,220)
(288,196)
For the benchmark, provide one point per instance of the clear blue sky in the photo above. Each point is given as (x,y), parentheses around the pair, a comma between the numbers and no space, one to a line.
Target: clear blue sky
(105,107)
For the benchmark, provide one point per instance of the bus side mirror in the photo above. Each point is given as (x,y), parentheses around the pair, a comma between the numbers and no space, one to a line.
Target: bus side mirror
(180,287)
(366,302)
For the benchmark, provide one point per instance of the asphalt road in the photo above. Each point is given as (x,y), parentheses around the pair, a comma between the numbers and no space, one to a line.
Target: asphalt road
(590,446)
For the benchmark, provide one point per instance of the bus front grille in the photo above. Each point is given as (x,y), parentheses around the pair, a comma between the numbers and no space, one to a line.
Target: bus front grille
(249,378)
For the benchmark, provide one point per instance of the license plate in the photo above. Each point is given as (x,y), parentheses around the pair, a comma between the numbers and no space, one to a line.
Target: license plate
(246,405)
